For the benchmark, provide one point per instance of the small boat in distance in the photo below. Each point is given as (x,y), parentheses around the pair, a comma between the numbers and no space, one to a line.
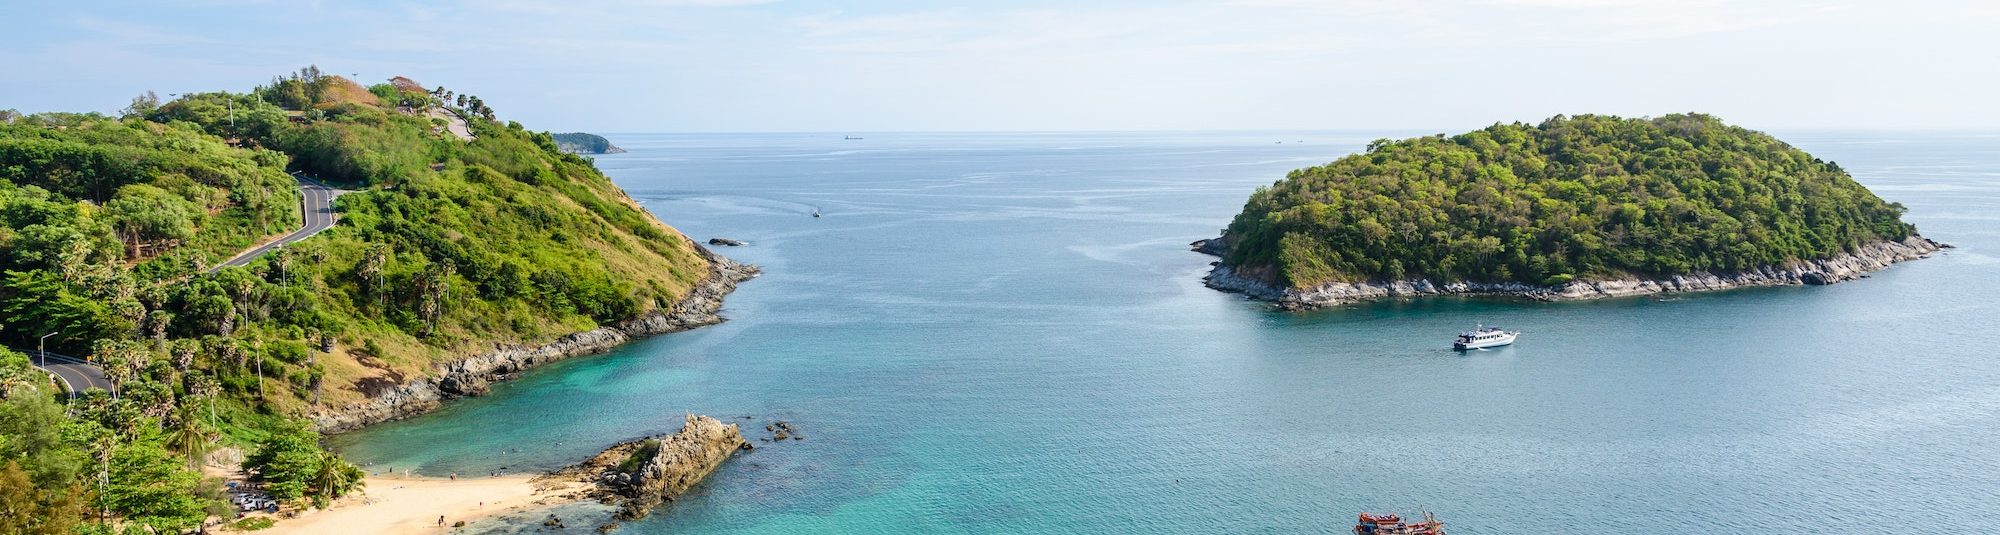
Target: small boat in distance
(850,138)
(1391,524)
(1484,337)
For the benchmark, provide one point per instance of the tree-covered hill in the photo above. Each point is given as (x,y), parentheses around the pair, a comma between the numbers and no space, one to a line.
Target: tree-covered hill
(1585,197)
(445,248)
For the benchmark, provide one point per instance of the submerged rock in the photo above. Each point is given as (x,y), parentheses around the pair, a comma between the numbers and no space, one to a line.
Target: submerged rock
(727,242)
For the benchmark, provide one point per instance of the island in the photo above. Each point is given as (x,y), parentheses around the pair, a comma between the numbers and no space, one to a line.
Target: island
(582,143)
(164,250)
(1577,207)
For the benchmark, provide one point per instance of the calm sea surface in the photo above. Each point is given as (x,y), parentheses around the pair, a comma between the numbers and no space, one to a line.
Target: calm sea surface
(1007,333)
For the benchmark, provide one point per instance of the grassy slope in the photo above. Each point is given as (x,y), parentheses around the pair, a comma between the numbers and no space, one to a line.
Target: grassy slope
(506,198)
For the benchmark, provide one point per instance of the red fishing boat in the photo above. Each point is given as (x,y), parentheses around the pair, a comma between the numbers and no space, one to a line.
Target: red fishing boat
(1391,524)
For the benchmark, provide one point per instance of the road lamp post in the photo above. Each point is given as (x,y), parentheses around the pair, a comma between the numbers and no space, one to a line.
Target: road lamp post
(42,349)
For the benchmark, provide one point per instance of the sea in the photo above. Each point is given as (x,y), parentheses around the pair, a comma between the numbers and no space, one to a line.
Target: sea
(1007,333)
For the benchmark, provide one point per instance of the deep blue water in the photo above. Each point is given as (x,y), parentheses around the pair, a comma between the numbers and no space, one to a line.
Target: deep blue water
(1007,333)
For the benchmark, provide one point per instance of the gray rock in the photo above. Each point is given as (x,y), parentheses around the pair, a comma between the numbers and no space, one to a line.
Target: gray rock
(1849,266)
(1211,246)
(472,375)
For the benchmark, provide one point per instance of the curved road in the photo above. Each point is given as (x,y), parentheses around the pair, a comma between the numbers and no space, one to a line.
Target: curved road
(77,375)
(316,201)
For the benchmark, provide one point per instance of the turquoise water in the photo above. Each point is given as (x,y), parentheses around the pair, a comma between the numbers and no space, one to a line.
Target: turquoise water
(1006,333)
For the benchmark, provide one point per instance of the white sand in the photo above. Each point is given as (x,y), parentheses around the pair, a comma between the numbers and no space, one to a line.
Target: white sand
(391,504)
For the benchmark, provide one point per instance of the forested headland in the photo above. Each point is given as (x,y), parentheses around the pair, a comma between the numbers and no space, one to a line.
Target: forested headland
(585,143)
(1589,197)
(109,225)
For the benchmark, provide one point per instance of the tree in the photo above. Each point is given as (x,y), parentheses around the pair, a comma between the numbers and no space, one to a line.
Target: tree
(336,477)
(33,424)
(149,216)
(433,288)
(203,387)
(186,436)
(122,360)
(40,302)
(369,270)
(149,486)
(28,509)
(286,461)
(183,351)
(15,371)
(142,105)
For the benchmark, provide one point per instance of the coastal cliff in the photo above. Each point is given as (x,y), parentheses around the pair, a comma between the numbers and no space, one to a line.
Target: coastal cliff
(646,472)
(1848,266)
(473,375)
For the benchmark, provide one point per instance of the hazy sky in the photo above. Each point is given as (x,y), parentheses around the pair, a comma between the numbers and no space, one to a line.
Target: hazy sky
(723,65)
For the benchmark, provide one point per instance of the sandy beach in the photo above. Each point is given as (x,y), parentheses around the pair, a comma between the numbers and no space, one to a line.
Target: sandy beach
(393,504)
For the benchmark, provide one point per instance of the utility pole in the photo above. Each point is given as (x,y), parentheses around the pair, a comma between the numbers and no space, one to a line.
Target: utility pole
(42,349)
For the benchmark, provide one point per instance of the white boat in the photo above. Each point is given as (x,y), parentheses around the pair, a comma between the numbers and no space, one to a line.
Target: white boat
(1484,337)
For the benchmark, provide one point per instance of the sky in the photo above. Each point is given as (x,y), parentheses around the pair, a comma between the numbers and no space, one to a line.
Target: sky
(763,66)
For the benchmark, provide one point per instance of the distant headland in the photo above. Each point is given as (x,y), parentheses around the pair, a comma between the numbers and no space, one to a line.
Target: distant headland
(582,143)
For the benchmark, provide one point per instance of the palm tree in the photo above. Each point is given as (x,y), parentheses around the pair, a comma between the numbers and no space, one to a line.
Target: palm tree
(434,286)
(183,351)
(186,436)
(335,478)
(370,271)
(156,325)
(121,360)
(204,387)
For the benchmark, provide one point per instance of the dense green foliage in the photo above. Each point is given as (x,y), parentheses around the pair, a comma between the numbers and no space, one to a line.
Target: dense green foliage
(107,226)
(1572,197)
(110,458)
(150,187)
(291,465)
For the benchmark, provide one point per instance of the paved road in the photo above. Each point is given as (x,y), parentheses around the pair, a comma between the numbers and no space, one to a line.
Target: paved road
(316,201)
(77,375)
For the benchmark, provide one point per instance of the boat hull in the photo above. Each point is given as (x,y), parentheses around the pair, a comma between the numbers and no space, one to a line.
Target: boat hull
(1483,344)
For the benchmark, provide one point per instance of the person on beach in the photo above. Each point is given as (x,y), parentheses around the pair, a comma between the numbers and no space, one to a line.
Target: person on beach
(440,521)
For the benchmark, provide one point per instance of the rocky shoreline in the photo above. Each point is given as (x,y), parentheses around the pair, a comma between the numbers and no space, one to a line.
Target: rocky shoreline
(639,475)
(471,376)
(1867,258)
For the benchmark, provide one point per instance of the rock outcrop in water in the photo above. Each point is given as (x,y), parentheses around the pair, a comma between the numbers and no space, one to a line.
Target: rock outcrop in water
(644,473)
(1852,265)
(472,376)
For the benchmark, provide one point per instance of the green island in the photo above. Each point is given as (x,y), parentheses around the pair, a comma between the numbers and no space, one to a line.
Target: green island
(1573,207)
(449,245)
